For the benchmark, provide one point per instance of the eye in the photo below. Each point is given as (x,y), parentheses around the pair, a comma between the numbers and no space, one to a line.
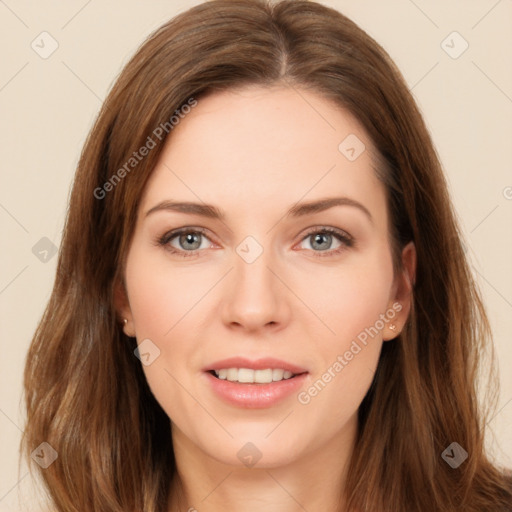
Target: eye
(322,238)
(188,241)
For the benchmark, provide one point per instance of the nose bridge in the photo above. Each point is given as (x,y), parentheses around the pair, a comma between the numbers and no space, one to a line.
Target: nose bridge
(251,274)
(255,296)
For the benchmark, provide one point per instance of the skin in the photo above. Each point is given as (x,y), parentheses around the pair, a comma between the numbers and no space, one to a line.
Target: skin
(254,153)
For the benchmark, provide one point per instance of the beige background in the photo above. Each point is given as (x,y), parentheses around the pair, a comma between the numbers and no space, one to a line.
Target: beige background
(47,107)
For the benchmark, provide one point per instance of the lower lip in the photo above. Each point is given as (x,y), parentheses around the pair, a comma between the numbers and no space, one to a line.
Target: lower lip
(255,396)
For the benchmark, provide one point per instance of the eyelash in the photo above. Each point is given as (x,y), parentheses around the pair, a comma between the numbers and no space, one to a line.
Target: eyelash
(342,236)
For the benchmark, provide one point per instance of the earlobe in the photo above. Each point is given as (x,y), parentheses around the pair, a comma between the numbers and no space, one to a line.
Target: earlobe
(123,310)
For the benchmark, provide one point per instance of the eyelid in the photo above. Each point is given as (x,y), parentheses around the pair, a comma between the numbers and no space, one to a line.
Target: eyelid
(328,229)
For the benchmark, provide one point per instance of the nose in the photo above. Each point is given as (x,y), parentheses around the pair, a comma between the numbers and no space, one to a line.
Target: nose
(254,296)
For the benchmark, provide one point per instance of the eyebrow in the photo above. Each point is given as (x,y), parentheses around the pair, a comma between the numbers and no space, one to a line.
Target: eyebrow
(298,210)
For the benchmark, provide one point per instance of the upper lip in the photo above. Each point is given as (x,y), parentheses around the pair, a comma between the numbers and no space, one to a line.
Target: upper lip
(258,364)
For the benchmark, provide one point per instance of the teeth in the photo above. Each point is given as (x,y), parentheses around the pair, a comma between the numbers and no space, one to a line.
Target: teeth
(277,374)
(248,375)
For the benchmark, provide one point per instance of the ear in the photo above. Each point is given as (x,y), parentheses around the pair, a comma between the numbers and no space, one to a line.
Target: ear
(123,310)
(403,293)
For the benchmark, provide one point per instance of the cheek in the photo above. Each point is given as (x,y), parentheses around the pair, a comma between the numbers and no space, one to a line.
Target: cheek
(352,303)
(161,302)
(160,294)
(352,308)
(350,298)
(165,301)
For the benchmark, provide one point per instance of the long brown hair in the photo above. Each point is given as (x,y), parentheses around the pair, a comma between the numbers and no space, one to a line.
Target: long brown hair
(86,394)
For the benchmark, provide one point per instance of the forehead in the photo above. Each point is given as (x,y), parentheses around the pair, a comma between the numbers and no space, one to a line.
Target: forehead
(257,146)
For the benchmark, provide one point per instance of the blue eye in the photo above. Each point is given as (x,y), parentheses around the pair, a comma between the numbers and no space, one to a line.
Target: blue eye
(189,241)
(186,237)
(320,235)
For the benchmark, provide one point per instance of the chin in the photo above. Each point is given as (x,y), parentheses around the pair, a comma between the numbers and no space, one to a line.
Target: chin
(255,452)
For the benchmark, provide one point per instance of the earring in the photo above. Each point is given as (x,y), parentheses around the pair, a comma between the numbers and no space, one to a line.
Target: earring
(392,327)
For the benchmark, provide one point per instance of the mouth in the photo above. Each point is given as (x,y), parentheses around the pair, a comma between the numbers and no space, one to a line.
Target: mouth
(252,376)
(249,371)
(251,388)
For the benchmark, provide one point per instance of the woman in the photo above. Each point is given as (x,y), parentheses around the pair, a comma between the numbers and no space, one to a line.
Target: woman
(260,369)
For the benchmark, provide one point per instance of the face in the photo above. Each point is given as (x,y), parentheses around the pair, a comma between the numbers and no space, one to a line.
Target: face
(310,288)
